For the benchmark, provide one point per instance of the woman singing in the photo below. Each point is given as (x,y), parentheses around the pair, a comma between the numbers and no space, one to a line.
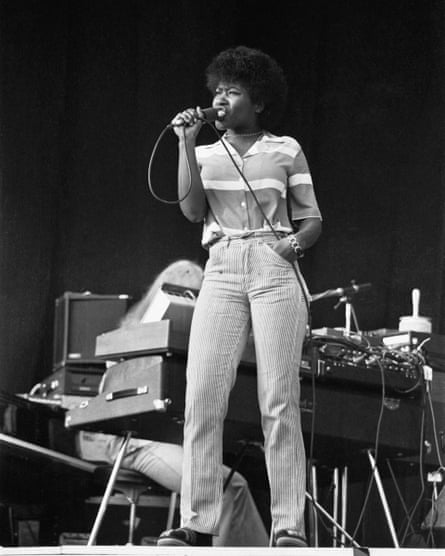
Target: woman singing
(259,215)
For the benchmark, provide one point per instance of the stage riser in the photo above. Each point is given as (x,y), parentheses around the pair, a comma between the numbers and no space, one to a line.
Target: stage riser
(232,551)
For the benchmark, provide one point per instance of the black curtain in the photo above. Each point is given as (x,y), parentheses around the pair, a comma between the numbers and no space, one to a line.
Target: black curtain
(87,86)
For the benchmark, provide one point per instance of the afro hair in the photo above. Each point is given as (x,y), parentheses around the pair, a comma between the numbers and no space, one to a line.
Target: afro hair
(258,73)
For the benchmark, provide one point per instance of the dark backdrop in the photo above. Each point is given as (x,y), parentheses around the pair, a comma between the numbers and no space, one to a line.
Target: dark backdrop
(87,86)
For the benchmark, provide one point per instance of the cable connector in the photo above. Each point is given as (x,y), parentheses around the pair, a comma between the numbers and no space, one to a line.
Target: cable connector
(427,373)
(435,476)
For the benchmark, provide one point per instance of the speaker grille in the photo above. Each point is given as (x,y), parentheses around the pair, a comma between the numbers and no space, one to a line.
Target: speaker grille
(79,319)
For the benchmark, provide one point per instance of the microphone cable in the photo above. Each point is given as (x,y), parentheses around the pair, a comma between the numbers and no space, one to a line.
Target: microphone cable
(149,171)
(208,114)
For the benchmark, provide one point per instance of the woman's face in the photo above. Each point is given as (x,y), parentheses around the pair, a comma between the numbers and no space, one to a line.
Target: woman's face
(241,112)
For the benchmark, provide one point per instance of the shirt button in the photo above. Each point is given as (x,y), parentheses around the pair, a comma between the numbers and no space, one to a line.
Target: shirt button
(243,204)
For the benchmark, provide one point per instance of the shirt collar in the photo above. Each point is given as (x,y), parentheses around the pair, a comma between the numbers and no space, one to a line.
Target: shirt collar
(267,137)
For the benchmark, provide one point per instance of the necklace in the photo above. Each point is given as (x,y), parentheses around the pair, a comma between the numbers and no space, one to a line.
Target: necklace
(257,133)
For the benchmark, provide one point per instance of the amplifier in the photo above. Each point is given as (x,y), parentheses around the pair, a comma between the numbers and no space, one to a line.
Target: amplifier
(79,319)
(74,379)
(344,365)
(347,361)
(433,345)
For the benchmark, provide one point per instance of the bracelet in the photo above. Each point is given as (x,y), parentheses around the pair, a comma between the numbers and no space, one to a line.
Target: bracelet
(294,243)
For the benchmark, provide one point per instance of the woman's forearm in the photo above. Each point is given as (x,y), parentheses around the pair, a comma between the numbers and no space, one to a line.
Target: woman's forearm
(194,206)
(309,231)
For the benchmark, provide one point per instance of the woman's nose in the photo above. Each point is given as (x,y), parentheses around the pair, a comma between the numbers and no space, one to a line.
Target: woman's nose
(221,96)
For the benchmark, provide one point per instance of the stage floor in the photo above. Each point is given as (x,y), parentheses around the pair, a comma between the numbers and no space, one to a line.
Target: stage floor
(203,551)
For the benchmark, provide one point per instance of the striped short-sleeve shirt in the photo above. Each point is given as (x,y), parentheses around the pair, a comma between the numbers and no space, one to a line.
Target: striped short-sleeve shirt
(275,167)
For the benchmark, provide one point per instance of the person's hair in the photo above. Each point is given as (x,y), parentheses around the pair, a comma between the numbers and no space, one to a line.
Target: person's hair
(180,273)
(258,73)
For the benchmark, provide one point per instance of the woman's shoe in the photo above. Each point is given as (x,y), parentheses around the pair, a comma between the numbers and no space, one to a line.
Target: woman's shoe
(184,537)
(289,537)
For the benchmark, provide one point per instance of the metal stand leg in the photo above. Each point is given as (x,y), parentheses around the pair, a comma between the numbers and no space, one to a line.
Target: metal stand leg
(335,507)
(378,481)
(348,314)
(336,527)
(344,502)
(132,519)
(331,519)
(313,514)
(108,491)
(340,488)
(171,510)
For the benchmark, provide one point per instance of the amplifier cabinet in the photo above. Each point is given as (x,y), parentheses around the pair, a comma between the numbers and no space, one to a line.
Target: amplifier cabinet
(144,395)
(75,379)
(79,319)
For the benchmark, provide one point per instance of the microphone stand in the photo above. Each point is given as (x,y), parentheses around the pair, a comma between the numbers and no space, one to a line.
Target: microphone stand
(345,297)
(347,300)
(349,314)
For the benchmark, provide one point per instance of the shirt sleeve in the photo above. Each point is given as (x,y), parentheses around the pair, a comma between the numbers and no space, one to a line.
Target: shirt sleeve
(302,199)
(198,151)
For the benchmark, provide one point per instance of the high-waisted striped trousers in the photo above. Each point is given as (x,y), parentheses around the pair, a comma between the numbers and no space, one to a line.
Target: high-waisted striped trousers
(246,284)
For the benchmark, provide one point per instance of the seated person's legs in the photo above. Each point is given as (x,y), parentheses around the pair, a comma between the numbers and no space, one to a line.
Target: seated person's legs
(240,524)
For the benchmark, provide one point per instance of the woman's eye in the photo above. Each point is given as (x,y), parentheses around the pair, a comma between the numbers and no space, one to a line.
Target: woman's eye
(227,92)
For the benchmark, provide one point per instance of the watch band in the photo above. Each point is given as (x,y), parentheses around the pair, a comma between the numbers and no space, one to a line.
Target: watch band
(294,243)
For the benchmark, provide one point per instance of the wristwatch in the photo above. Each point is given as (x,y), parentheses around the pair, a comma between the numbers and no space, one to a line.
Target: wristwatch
(294,243)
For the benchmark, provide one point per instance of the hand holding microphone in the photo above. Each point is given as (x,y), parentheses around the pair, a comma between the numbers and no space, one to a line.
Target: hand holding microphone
(189,121)
(186,125)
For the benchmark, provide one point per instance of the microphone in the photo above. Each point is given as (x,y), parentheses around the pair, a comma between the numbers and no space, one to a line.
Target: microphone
(352,289)
(212,114)
(341,292)
(209,115)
